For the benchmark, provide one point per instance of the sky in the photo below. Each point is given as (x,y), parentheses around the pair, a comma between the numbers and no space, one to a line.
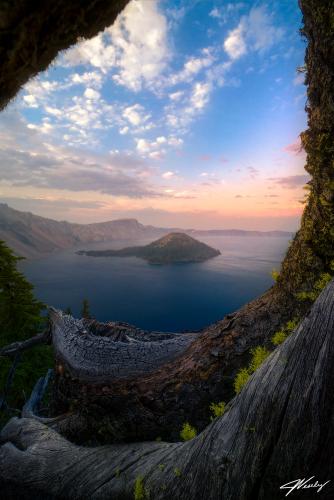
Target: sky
(184,113)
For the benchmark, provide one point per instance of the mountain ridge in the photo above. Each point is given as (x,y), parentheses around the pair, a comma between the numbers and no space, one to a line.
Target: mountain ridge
(32,236)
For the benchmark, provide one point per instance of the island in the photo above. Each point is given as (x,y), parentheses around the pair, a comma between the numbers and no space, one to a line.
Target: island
(172,248)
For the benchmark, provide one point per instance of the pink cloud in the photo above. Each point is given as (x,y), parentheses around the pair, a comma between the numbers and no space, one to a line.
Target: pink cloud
(295,148)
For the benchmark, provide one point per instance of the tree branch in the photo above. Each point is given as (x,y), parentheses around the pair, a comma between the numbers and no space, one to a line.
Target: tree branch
(11,350)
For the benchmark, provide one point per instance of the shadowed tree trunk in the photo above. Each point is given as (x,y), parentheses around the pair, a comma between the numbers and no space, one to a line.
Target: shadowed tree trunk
(278,429)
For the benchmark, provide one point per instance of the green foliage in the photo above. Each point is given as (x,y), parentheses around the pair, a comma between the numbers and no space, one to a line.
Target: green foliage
(188,432)
(217,409)
(177,472)
(241,379)
(140,492)
(20,318)
(275,275)
(279,337)
(259,354)
(161,467)
(85,312)
(68,310)
(319,285)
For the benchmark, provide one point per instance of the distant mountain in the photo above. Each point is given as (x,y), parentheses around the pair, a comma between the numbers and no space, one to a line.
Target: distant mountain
(172,248)
(30,235)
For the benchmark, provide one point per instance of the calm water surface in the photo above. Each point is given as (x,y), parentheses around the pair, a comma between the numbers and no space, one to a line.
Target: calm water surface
(167,298)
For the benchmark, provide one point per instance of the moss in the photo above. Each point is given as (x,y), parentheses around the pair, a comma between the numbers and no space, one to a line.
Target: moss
(320,284)
(217,409)
(177,472)
(275,275)
(259,354)
(188,432)
(140,492)
(241,379)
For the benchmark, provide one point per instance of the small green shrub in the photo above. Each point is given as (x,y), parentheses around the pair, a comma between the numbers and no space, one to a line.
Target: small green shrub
(177,472)
(259,354)
(161,467)
(140,492)
(217,409)
(275,275)
(279,337)
(319,285)
(241,379)
(188,432)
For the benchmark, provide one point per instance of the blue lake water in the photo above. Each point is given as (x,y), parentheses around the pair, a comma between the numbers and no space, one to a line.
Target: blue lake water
(167,298)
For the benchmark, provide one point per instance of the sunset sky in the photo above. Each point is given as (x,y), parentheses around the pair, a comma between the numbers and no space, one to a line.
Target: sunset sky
(184,113)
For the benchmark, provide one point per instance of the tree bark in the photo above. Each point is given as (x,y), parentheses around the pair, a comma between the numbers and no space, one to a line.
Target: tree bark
(139,390)
(278,429)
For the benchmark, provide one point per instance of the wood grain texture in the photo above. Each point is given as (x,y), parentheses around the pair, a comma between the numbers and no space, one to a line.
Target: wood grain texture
(279,428)
(91,357)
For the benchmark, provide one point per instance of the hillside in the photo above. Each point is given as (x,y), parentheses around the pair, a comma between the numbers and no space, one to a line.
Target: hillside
(31,235)
(172,248)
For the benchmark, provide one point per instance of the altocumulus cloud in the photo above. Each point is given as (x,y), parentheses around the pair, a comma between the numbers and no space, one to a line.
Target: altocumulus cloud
(72,173)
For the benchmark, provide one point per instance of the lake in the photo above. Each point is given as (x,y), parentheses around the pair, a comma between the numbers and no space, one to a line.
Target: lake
(171,298)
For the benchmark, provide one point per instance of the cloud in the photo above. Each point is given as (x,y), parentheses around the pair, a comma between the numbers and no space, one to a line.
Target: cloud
(91,94)
(92,78)
(135,114)
(192,67)
(168,175)
(27,159)
(299,79)
(157,148)
(235,44)
(135,47)
(291,181)
(254,33)
(295,148)
(253,172)
(179,117)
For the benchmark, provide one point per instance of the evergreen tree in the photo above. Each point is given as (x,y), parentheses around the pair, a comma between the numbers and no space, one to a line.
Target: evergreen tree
(20,318)
(68,310)
(20,312)
(85,313)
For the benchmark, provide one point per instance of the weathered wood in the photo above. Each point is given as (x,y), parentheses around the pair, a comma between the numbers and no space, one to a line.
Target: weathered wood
(9,381)
(96,358)
(15,348)
(278,429)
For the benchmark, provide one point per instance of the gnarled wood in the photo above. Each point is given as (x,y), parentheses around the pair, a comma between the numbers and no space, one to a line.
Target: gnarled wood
(272,433)
(103,359)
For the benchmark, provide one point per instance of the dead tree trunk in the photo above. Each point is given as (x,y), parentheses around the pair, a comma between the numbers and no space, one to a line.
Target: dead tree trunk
(137,385)
(278,429)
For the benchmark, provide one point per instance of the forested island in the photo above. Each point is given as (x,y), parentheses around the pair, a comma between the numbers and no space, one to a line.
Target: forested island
(172,248)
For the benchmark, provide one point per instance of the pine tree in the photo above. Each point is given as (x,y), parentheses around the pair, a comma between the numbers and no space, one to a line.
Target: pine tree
(20,312)
(20,318)
(85,313)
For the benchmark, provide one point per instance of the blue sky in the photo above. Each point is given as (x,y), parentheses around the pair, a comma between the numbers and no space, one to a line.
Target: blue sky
(183,113)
